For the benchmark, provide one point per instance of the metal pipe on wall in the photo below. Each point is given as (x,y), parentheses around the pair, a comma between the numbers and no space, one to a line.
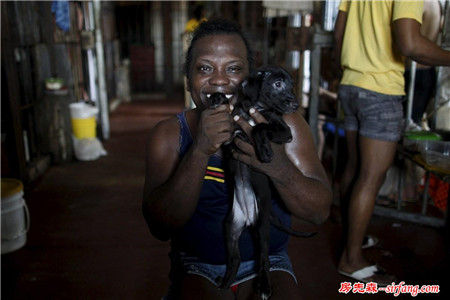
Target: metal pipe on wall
(411,93)
(103,97)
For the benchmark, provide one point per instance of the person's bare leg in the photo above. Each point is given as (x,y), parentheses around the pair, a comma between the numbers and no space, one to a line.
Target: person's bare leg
(197,287)
(376,157)
(283,287)
(351,138)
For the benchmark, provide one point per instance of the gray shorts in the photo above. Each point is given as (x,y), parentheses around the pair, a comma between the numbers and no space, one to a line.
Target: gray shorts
(373,115)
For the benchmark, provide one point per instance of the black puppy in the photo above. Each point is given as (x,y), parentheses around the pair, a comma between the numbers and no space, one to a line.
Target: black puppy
(269,90)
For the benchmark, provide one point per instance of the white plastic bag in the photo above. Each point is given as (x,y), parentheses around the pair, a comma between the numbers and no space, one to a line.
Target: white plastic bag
(88,148)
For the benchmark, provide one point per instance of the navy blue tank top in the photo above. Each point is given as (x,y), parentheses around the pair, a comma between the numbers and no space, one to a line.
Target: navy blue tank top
(203,235)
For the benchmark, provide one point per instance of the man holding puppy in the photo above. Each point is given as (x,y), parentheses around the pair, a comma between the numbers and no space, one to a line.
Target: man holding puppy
(185,195)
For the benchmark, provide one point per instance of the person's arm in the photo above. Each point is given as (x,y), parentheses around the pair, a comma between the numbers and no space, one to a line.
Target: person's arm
(411,43)
(173,185)
(431,25)
(339,29)
(296,171)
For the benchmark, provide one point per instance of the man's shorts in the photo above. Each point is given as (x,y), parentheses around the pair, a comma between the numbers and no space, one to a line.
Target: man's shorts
(373,115)
(183,264)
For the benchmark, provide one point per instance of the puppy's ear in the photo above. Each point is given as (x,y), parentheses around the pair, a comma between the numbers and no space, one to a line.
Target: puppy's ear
(266,74)
(244,84)
(252,85)
(256,77)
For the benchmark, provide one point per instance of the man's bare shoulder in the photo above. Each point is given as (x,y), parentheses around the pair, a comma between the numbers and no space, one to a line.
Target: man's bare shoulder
(170,125)
(164,135)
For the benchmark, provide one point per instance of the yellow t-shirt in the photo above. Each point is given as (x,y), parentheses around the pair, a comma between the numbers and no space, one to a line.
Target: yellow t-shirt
(369,58)
(192,24)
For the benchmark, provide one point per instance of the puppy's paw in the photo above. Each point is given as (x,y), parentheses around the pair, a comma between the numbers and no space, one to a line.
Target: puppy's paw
(281,137)
(282,140)
(265,154)
(222,284)
(264,292)
(219,281)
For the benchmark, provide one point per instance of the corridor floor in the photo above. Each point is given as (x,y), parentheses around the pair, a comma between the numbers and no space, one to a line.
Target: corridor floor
(88,238)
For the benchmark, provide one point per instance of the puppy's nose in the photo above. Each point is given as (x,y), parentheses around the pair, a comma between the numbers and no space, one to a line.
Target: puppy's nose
(294,105)
(217,99)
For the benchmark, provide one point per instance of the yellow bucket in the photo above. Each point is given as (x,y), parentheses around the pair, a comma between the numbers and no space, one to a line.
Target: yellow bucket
(84,128)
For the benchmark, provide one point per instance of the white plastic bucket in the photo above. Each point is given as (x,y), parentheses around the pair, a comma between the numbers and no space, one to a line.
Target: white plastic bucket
(81,110)
(15,216)
(83,120)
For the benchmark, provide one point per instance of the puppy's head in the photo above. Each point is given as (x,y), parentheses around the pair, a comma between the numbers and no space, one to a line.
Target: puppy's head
(217,99)
(270,88)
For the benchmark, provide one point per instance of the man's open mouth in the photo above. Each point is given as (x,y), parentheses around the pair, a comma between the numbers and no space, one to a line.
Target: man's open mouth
(228,96)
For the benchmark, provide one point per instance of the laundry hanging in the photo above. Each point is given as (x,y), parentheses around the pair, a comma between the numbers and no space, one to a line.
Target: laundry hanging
(62,14)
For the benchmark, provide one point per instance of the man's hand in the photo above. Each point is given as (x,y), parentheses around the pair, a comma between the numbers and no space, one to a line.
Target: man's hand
(247,153)
(214,129)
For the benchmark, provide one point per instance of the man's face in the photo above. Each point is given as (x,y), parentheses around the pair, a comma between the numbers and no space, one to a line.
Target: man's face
(219,65)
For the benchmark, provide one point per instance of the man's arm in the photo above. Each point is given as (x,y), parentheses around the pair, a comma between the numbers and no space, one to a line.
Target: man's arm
(296,171)
(173,185)
(411,43)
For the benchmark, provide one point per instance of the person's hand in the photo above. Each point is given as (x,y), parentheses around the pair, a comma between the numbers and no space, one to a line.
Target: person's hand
(247,153)
(215,128)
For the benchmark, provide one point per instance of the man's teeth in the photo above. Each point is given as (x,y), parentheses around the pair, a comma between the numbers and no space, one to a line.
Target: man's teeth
(229,96)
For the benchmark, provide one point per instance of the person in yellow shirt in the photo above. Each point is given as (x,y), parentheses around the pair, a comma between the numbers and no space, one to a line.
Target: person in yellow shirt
(198,17)
(372,39)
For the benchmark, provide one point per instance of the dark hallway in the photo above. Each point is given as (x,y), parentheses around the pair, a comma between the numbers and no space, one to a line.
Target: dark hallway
(88,239)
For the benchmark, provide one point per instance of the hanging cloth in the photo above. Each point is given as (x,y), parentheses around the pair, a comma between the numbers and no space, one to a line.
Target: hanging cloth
(62,14)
